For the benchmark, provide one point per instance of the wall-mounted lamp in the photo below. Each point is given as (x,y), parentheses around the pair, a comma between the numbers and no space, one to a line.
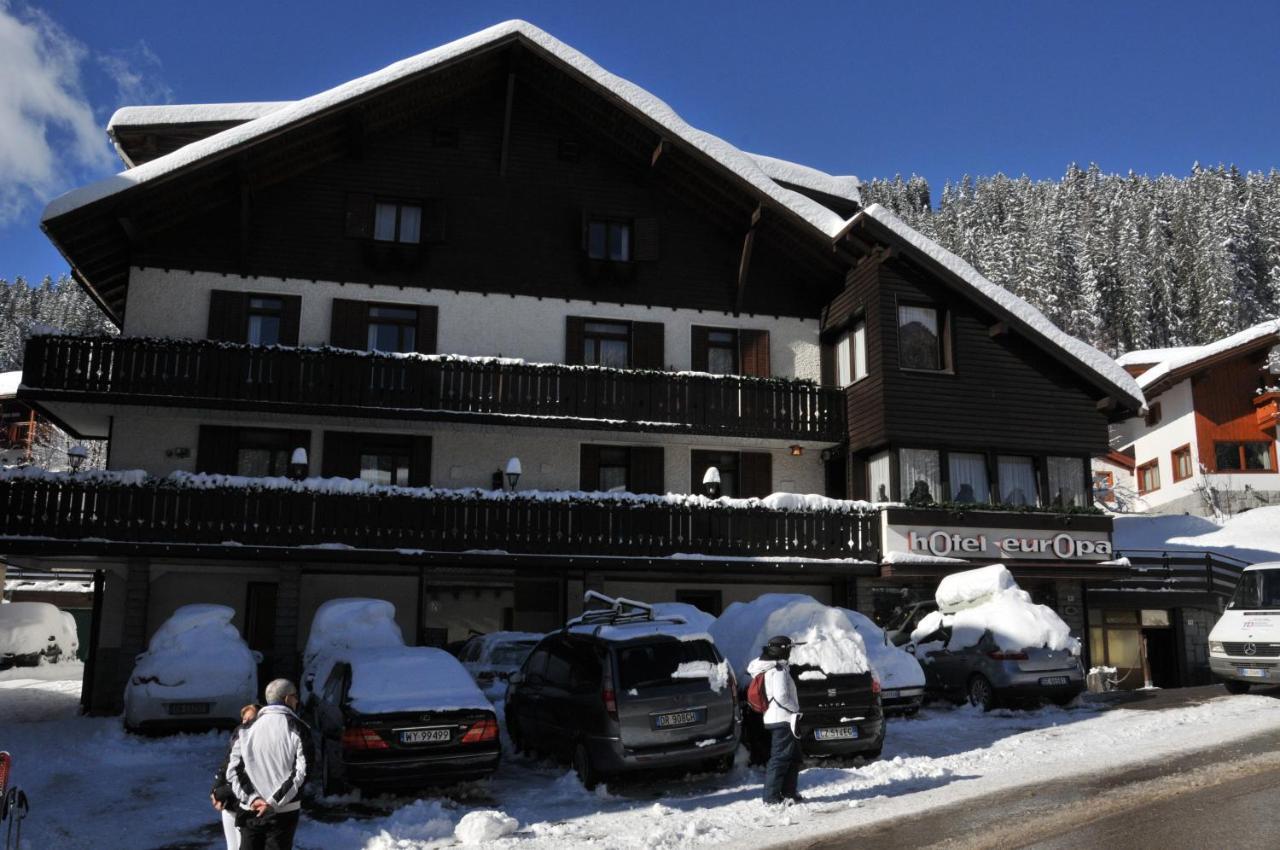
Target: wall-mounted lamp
(298,464)
(513,472)
(76,456)
(797,451)
(711,482)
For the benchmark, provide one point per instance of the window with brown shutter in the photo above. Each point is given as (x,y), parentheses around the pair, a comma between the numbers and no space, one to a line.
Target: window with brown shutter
(349,322)
(726,463)
(380,326)
(573,340)
(633,469)
(756,472)
(256,318)
(647,345)
(227,315)
(754,347)
(253,452)
(648,470)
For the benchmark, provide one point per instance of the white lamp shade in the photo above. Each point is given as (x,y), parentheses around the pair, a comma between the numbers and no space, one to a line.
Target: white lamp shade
(299,456)
(712,476)
(77,451)
(513,466)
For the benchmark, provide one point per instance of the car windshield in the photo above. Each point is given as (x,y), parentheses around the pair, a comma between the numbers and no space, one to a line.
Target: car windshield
(511,654)
(655,663)
(1257,589)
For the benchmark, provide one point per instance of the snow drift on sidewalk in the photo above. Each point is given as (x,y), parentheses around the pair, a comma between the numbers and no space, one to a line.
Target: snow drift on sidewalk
(831,642)
(974,602)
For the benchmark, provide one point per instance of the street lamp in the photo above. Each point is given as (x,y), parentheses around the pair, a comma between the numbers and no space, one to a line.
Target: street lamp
(298,464)
(711,482)
(513,472)
(76,456)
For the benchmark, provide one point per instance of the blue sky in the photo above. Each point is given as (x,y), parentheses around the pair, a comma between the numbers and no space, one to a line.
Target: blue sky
(874,89)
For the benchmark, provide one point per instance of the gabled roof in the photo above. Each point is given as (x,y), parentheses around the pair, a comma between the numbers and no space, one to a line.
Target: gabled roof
(822,220)
(191,113)
(846,188)
(1092,364)
(1170,365)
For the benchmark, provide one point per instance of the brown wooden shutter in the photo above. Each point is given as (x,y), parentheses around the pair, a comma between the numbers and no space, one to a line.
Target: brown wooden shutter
(216,450)
(290,318)
(646,239)
(646,345)
(698,338)
(573,332)
(433,221)
(349,324)
(755,474)
(647,470)
(420,462)
(827,351)
(228,316)
(359,222)
(753,351)
(589,467)
(425,337)
(341,455)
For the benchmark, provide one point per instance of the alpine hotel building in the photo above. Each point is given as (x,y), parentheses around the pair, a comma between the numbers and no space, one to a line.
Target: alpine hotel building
(343,317)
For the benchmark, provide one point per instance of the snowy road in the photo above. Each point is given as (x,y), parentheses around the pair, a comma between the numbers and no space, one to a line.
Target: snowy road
(92,786)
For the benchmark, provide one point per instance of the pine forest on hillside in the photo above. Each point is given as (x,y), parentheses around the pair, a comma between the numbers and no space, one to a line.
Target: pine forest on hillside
(1124,262)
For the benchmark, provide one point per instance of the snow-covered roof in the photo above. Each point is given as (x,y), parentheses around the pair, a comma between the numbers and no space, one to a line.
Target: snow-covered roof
(1088,357)
(643,102)
(846,186)
(9,382)
(1151,356)
(191,113)
(1175,359)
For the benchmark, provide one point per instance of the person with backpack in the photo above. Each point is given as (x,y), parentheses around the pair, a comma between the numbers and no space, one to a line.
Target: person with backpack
(772,692)
(222,796)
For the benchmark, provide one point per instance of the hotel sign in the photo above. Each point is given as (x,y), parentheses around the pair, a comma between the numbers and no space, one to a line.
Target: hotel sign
(1014,544)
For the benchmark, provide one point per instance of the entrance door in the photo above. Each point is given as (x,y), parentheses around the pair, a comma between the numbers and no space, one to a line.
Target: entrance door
(260,624)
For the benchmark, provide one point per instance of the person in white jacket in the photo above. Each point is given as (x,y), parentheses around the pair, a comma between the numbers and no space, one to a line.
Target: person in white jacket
(267,768)
(780,719)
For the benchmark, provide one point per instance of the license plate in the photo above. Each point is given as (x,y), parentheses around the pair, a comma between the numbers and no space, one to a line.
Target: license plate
(425,736)
(676,718)
(836,733)
(1055,680)
(1253,672)
(188,707)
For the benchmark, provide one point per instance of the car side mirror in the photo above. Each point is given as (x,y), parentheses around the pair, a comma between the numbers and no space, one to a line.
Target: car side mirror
(516,678)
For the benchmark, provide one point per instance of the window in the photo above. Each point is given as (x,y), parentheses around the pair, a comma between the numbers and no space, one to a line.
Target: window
(851,355)
(615,465)
(1259,589)
(385,465)
(968,472)
(722,352)
(392,328)
(725,462)
(879,481)
(920,332)
(264,318)
(261,453)
(394,222)
(1066,482)
(921,475)
(710,601)
(859,351)
(1182,469)
(1153,415)
(1149,477)
(606,344)
(609,240)
(1243,457)
(1017,477)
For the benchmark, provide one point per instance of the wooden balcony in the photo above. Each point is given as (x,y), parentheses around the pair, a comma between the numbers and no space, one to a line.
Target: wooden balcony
(108,508)
(328,381)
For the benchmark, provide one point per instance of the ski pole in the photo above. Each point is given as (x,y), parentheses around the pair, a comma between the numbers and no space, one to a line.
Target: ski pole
(20,814)
(10,799)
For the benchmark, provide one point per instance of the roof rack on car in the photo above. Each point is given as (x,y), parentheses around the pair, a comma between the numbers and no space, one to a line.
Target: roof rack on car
(618,612)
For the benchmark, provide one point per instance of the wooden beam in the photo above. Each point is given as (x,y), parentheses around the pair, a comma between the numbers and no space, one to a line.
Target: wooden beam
(998,329)
(245,220)
(1106,405)
(658,152)
(744,264)
(506,124)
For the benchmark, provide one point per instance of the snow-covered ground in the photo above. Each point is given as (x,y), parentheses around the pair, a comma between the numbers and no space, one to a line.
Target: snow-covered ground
(1250,536)
(92,786)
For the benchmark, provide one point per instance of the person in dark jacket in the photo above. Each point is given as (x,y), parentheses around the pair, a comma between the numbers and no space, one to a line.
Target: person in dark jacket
(780,720)
(267,768)
(222,796)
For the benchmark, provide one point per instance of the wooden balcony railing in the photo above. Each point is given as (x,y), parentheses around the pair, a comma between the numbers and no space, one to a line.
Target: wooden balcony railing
(200,373)
(93,506)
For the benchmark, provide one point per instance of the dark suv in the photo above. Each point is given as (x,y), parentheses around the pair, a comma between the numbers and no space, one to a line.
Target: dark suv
(840,716)
(618,690)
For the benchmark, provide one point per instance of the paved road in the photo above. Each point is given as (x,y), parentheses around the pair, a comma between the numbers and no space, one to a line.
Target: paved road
(1227,797)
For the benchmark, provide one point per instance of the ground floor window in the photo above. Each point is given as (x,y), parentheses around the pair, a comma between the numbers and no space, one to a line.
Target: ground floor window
(1138,643)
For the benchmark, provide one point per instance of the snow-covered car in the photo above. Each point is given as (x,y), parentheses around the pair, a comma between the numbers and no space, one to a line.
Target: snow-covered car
(31,632)
(197,673)
(987,642)
(902,682)
(841,714)
(399,718)
(339,626)
(492,658)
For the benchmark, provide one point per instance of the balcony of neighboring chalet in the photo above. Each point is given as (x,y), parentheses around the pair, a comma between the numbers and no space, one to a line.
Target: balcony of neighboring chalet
(69,374)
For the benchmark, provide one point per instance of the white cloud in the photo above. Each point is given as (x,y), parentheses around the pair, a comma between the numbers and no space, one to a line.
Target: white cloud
(136,73)
(49,129)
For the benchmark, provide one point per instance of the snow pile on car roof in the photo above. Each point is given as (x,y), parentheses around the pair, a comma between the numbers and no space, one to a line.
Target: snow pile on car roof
(385,680)
(831,641)
(342,625)
(974,602)
(29,627)
(893,665)
(197,652)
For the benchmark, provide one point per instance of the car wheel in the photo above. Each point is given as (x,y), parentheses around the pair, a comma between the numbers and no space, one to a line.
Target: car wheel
(981,693)
(513,732)
(1236,687)
(584,768)
(871,755)
(724,764)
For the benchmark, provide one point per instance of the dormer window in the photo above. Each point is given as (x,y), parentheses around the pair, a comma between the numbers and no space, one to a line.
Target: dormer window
(396,222)
(609,240)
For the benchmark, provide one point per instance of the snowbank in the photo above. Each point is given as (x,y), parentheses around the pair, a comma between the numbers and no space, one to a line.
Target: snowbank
(485,825)
(1250,536)
(197,652)
(831,641)
(31,627)
(410,678)
(975,602)
(343,625)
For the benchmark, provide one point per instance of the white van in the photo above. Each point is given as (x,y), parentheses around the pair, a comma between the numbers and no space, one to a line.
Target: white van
(1244,645)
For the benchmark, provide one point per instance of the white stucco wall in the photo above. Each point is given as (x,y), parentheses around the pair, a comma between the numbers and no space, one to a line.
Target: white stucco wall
(176,304)
(462,455)
(1176,428)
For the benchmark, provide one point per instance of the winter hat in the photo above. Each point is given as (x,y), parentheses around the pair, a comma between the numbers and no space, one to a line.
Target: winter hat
(779,647)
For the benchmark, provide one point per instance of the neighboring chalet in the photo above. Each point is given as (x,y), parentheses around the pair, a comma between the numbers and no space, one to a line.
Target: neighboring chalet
(349,321)
(1207,442)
